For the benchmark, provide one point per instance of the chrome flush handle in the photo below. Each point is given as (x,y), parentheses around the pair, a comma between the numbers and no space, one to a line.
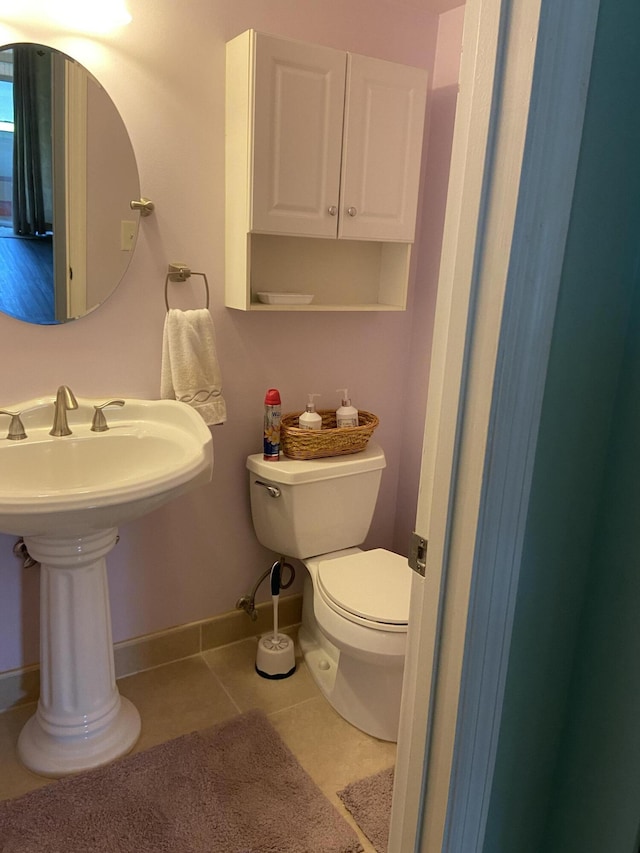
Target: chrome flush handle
(99,423)
(274,491)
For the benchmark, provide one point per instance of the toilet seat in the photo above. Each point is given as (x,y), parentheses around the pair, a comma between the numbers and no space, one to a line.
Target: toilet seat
(370,588)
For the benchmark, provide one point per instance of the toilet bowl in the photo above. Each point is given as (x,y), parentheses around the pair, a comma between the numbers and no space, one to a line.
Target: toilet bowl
(355,603)
(357,658)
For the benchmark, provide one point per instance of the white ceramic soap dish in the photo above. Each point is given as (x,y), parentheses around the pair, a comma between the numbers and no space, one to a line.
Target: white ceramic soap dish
(285,298)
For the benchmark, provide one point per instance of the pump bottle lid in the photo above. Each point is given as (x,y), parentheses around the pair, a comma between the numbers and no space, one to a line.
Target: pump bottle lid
(272,397)
(345,396)
(311,406)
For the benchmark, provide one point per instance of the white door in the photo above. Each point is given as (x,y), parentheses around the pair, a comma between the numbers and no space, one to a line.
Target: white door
(298,115)
(382,149)
(76,188)
(69,117)
(515,152)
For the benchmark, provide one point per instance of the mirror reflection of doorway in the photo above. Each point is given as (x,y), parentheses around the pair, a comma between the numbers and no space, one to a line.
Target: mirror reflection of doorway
(89,177)
(26,184)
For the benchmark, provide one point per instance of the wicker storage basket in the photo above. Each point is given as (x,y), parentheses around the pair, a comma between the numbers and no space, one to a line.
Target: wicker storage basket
(328,441)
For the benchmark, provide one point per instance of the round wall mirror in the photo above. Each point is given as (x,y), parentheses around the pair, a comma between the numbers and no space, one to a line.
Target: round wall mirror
(67,177)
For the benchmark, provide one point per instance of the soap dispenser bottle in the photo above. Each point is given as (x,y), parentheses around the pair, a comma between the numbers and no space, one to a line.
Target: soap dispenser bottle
(310,419)
(346,415)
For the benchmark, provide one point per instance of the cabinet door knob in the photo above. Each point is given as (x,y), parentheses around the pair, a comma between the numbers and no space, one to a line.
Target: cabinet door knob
(352,211)
(333,210)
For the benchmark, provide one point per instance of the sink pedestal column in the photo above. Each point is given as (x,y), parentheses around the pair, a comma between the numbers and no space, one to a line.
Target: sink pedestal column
(81,721)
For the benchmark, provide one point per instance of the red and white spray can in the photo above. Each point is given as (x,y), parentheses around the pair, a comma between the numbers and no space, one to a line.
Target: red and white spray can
(272,420)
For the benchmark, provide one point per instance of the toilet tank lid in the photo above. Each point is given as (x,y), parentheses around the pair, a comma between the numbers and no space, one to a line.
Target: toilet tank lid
(293,471)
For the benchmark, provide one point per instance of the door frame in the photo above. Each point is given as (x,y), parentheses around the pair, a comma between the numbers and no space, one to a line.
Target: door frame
(523,85)
(75,188)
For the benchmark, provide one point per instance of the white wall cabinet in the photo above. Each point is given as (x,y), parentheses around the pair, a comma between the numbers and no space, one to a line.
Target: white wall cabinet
(320,144)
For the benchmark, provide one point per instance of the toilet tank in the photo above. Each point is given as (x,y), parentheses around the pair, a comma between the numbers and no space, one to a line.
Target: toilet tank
(323,505)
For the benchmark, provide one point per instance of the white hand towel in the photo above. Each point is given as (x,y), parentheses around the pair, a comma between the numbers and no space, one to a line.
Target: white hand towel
(190,369)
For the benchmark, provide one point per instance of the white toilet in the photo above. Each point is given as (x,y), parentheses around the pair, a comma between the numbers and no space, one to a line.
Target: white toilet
(355,603)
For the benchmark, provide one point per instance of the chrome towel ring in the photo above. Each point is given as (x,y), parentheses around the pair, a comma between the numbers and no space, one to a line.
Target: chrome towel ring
(181,272)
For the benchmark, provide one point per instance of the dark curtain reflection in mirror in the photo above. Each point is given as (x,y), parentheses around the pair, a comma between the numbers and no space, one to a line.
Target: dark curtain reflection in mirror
(26,253)
(32,156)
(67,176)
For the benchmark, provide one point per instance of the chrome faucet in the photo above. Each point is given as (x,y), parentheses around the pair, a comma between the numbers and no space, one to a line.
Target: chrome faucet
(65,399)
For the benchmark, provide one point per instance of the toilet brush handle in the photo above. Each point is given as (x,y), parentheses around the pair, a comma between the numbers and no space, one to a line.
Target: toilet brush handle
(275,599)
(275,579)
(275,596)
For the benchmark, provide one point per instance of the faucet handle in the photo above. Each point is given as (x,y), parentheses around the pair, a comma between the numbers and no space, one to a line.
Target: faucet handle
(16,427)
(99,423)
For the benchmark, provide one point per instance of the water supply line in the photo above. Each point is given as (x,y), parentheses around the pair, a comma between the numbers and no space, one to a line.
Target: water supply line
(248,602)
(21,552)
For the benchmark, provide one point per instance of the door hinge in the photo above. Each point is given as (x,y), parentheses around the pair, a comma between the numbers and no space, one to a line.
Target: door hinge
(418,554)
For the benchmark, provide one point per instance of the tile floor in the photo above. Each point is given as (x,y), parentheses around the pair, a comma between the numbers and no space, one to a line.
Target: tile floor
(200,691)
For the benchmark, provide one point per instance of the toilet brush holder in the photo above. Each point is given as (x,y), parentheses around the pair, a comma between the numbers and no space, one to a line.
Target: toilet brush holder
(276,657)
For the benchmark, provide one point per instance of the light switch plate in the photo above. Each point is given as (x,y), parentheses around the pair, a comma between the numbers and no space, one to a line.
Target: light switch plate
(127,235)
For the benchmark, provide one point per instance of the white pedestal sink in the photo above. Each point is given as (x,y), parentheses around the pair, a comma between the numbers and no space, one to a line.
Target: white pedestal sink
(66,495)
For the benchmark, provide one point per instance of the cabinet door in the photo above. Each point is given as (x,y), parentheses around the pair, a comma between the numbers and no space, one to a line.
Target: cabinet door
(298,116)
(382,149)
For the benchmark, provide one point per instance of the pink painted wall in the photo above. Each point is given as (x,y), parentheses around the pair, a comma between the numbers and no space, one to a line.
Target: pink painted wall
(165,71)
